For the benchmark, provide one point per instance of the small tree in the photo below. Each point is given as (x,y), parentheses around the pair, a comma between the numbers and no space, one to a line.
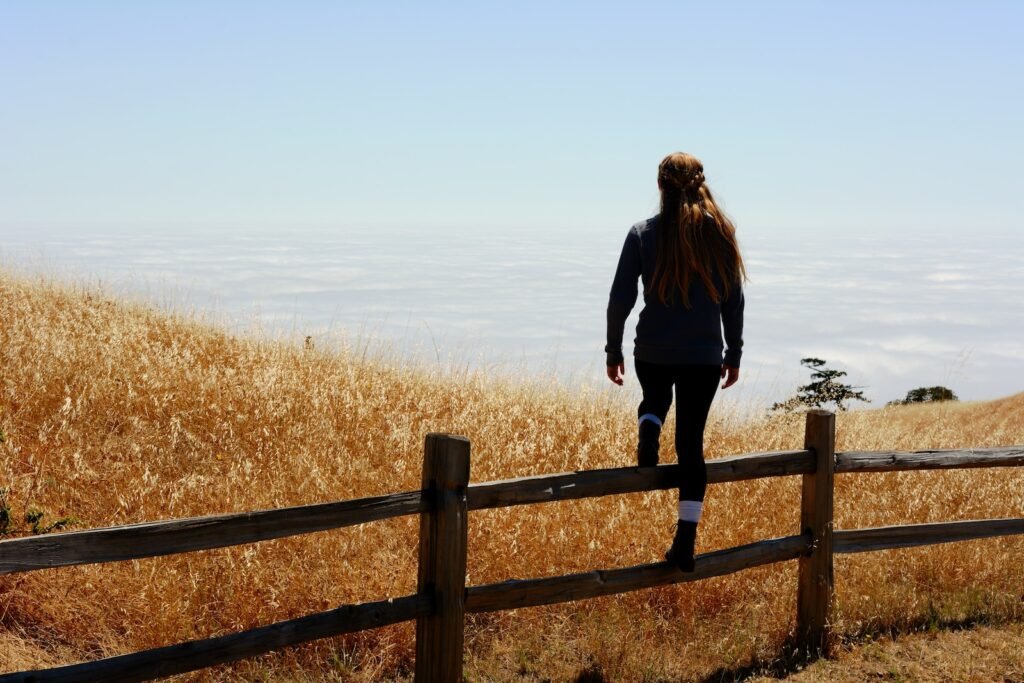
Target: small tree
(824,388)
(927,395)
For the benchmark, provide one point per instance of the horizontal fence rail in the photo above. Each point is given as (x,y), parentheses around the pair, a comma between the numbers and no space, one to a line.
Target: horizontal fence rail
(152,539)
(442,598)
(514,594)
(900,461)
(199,654)
(548,488)
(911,535)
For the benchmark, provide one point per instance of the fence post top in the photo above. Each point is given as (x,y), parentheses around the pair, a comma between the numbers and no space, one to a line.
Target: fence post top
(446,435)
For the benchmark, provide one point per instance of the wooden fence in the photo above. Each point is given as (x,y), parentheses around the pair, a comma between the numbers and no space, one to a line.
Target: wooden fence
(442,598)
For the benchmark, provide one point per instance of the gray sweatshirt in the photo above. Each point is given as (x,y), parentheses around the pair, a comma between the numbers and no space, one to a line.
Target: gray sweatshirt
(671,334)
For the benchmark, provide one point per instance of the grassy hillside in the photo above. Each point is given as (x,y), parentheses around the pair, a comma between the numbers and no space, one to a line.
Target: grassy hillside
(114,413)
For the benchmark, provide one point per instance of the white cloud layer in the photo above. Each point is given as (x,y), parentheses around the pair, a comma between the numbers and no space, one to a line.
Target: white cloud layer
(895,315)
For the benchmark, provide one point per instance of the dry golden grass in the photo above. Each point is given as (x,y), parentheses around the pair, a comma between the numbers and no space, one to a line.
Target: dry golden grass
(977,655)
(115,413)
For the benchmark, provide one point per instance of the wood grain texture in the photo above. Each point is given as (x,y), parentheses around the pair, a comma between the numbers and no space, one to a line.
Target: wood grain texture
(150,539)
(546,591)
(910,535)
(815,574)
(198,654)
(882,461)
(444,534)
(604,482)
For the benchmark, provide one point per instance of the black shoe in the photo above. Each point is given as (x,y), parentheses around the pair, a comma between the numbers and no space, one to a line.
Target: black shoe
(681,552)
(647,447)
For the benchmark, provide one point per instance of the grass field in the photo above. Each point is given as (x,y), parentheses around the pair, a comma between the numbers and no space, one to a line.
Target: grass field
(980,654)
(113,412)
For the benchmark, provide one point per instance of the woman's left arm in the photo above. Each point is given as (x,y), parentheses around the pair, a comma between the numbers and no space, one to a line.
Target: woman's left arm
(732,322)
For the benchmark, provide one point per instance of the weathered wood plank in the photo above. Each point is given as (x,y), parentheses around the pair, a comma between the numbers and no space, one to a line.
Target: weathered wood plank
(815,573)
(895,461)
(199,654)
(444,534)
(150,539)
(592,483)
(910,535)
(546,591)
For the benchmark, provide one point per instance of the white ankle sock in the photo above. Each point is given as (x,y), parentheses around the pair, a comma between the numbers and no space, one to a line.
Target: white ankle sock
(650,416)
(690,510)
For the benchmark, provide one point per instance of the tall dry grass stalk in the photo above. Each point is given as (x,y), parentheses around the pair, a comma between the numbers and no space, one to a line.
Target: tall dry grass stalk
(115,413)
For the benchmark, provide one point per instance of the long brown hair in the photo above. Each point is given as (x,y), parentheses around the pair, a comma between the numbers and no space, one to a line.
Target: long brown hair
(690,244)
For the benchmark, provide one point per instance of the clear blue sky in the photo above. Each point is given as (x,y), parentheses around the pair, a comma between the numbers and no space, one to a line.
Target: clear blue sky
(497,116)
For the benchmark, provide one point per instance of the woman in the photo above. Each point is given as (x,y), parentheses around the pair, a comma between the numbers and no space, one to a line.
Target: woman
(692,271)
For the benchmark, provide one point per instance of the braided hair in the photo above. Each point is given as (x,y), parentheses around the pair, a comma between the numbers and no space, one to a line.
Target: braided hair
(695,238)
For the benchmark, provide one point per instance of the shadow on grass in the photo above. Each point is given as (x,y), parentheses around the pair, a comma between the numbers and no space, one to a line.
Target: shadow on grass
(792,658)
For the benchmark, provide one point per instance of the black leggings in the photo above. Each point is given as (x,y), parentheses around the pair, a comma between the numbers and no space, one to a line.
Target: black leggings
(695,389)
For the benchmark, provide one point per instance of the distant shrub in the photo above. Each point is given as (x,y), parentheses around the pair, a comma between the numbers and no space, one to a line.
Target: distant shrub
(823,389)
(926,395)
(34,518)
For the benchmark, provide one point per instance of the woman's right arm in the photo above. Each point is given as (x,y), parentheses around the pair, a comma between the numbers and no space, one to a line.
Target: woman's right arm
(622,297)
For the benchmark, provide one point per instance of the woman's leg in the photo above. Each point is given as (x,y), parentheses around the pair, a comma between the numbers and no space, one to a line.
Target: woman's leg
(695,389)
(656,383)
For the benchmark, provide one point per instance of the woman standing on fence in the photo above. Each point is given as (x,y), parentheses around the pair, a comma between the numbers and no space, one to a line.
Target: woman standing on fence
(690,264)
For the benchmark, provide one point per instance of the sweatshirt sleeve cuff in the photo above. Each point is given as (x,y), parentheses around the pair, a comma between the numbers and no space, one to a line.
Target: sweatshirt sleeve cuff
(614,358)
(732,358)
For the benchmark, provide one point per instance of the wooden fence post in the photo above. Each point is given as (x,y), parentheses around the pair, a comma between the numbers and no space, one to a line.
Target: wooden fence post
(814,592)
(442,559)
